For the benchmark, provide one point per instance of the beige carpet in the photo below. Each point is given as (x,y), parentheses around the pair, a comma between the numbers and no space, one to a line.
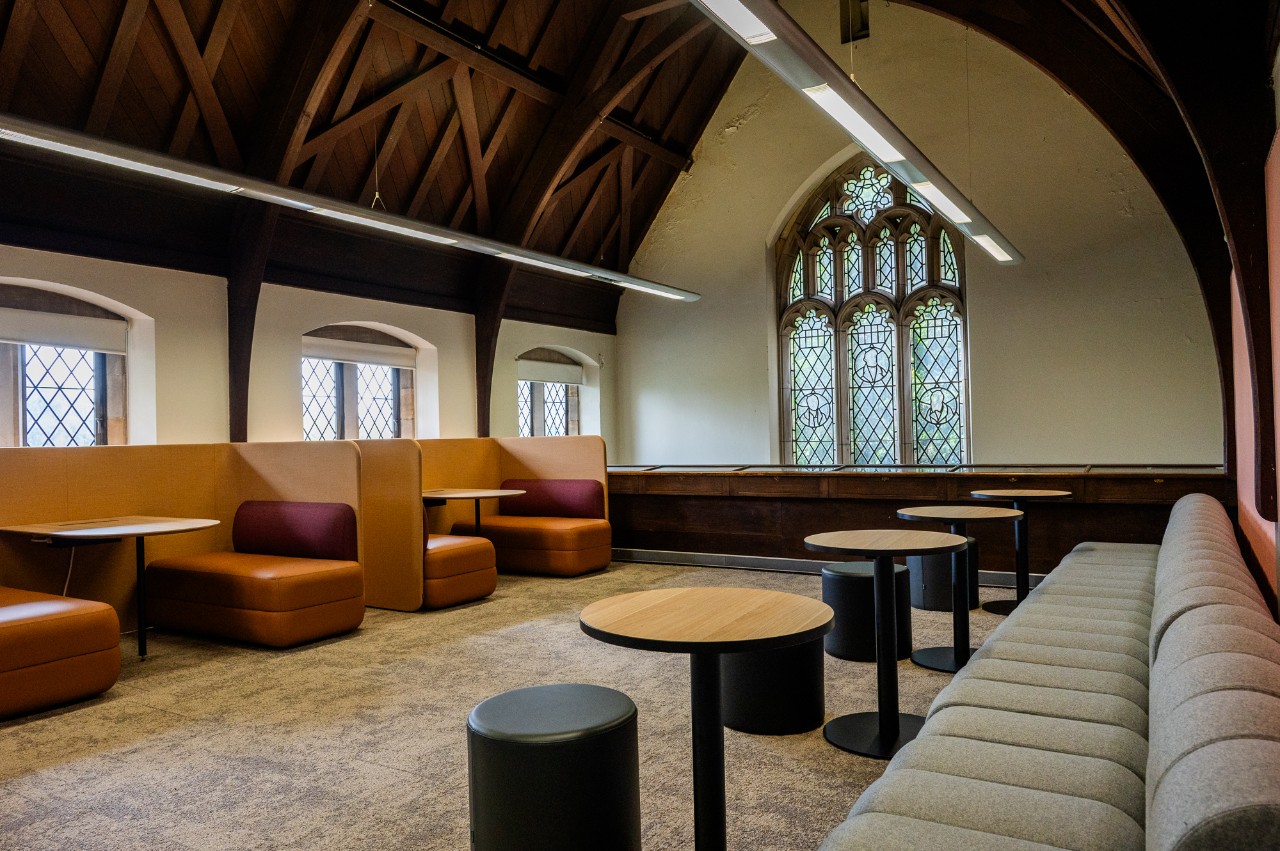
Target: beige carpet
(359,742)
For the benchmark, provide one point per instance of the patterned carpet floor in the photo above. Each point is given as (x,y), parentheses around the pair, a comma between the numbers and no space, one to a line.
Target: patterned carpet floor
(359,742)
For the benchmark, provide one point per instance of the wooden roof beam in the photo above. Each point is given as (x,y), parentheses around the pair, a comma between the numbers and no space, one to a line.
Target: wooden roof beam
(113,71)
(214,47)
(17,33)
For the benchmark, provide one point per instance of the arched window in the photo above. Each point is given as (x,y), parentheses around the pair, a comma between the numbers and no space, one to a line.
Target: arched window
(548,385)
(357,383)
(873,370)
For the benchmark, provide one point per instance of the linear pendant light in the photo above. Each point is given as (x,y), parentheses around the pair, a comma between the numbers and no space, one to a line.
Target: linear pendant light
(78,145)
(772,36)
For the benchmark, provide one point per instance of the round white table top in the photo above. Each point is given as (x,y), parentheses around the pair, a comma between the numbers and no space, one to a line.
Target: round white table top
(133,526)
(469,493)
(958,513)
(886,542)
(1020,493)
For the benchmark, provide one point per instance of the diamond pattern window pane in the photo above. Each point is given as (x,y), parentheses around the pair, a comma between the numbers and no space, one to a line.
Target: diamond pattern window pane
(868,193)
(825,267)
(319,399)
(917,267)
(950,271)
(812,348)
(822,214)
(873,387)
(937,384)
(555,409)
(524,408)
(852,268)
(376,401)
(886,263)
(61,391)
(797,278)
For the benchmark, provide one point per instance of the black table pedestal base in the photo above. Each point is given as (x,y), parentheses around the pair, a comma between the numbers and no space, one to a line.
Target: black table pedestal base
(939,658)
(1000,607)
(859,733)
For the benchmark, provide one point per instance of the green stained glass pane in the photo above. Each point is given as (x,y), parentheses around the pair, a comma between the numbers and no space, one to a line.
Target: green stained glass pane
(950,271)
(937,384)
(812,349)
(853,268)
(873,433)
(886,263)
(868,193)
(825,269)
(797,278)
(917,268)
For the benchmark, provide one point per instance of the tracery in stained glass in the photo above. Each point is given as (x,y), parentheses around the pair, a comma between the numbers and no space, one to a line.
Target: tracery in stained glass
(917,264)
(61,392)
(319,399)
(937,384)
(886,263)
(825,270)
(524,408)
(376,401)
(555,409)
(873,434)
(913,197)
(869,193)
(797,278)
(812,350)
(852,268)
(950,270)
(822,214)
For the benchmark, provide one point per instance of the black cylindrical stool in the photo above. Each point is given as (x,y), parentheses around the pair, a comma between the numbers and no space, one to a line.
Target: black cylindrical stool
(554,767)
(773,692)
(848,589)
(931,580)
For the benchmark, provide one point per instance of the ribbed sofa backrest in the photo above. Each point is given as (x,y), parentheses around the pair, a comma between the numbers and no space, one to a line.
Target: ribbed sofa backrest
(1214,721)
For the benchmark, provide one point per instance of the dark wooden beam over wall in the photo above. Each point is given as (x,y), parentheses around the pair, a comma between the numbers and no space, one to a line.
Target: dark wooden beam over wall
(252,235)
(494,280)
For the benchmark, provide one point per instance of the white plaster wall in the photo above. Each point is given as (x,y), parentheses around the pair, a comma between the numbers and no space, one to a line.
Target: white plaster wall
(597,353)
(1096,349)
(177,347)
(286,313)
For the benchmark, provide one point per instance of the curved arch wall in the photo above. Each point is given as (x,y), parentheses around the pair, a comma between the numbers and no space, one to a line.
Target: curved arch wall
(1096,349)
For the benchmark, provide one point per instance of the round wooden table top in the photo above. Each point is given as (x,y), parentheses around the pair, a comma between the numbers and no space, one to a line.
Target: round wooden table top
(707,620)
(958,513)
(1023,493)
(468,493)
(885,542)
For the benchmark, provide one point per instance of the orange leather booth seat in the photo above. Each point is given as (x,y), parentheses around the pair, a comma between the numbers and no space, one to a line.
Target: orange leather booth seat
(457,570)
(553,546)
(265,599)
(54,650)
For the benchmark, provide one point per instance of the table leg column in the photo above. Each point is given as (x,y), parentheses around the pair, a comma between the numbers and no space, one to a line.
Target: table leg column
(140,554)
(708,753)
(1022,565)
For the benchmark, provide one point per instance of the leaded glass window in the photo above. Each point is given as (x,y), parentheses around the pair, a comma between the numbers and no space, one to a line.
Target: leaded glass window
(950,271)
(852,268)
(917,264)
(886,263)
(937,384)
(555,409)
(824,213)
(524,408)
(872,348)
(60,396)
(812,349)
(869,192)
(377,402)
(320,408)
(880,379)
(825,270)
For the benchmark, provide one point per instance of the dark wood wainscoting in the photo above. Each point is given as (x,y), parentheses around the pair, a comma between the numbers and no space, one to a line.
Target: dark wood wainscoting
(742,511)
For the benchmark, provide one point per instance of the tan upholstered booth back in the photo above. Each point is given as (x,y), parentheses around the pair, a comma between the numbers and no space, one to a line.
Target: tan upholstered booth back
(391,523)
(202,480)
(576,457)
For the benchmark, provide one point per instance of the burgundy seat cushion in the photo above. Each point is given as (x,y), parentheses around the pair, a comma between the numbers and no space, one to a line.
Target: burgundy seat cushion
(296,529)
(553,498)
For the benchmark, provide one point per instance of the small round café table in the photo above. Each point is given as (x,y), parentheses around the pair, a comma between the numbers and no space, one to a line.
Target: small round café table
(1022,569)
(955,657)
(882,733)
(706,622)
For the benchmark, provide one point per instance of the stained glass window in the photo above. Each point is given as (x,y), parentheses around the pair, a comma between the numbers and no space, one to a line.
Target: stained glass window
(950,271)
(797,278)
(555,409)
(917,264)
(376,401)
(886,263)
(852,268)
(937,379)
(869,193)
(319,399)
(873,386)
(60,395)
(524,408)
(822,214)
(825,270)
(813,421)
(913,197)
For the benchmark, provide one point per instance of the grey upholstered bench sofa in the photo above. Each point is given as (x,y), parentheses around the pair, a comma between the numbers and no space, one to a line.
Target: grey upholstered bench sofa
(1132,701)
